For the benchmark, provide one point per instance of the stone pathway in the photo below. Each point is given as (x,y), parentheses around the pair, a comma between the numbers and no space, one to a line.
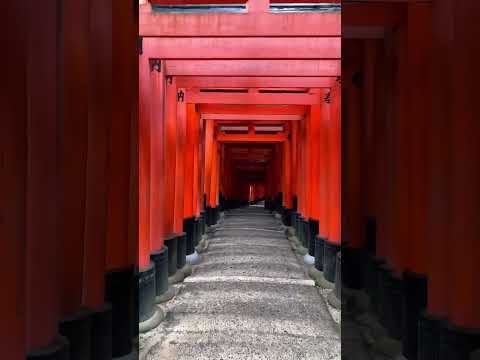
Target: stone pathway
(249,298)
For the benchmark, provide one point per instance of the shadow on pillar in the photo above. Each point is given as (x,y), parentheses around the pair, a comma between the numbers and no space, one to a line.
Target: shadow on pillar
(59,350)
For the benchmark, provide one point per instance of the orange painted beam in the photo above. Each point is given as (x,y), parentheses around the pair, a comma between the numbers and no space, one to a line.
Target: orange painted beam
(251,117)
(253,67)
(246,24)
(245,48)
(247,138)
(254,109)
(254,82)
(251,98)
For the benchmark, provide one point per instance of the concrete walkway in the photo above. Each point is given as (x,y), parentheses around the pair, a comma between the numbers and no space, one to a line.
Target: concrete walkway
(248,299)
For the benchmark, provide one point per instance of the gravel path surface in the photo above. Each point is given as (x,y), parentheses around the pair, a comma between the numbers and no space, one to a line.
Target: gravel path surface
(249,298)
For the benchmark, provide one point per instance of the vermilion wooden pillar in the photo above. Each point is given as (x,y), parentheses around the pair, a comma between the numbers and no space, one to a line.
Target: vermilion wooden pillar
(323,179)
(385,228)
(301,167)
(368,63)
(334,172)
(170,152)
(195,133)
(100,113)
(41,183)
(144,98)
(419,111)
(74,86)
(14,140)
(464,244)
(378,183)
(209,148)
(315,130)
(215,173)
(157,155)
(190,154)
(401,154)
(439,160)
(294,136)
(124,85)
(180,162)
(122,227)
(352,74)
(287,177)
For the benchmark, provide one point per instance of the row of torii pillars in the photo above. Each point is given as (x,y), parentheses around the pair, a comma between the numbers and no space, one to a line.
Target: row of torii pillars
(411,170)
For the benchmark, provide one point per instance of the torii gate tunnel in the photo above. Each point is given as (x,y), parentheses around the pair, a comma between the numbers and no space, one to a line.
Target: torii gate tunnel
(128,129)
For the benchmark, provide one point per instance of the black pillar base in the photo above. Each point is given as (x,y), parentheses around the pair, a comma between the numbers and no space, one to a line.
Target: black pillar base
(58,350)
(330,260)
(287,217)
(189,229)
(319,245)
(171,244)
(120,292)
(414,301)
(217,213)
(371,280)
(160,259)
(313,226)
(196,234)
(338,276)
(429,336)
(457,343)
(353,266)
(182,250)
(78,330)
(211,216)
(293,219)
(202,223)
(146,293)
(102,333)
(391,301)
(301,228)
